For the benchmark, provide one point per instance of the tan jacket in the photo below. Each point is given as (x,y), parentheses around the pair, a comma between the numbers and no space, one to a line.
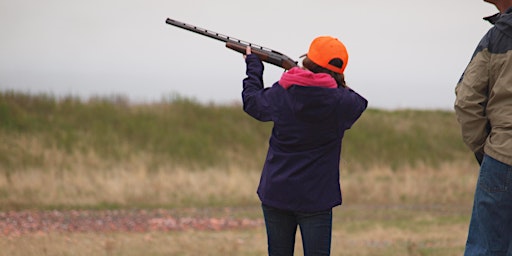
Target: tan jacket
(483,104)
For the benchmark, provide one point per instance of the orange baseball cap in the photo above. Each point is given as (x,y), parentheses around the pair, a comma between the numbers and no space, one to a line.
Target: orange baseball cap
(328,52)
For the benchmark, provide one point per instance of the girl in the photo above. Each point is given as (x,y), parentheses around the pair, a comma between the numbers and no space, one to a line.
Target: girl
(311,108)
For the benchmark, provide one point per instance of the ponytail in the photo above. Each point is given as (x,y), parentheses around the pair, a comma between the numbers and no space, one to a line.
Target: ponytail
(313,67)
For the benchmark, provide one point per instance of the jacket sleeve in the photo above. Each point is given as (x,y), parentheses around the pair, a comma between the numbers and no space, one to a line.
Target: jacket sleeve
(254,96)
(471,100)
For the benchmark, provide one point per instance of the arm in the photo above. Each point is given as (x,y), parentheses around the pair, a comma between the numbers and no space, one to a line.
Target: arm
(254,96)
(471,100)
(353,106)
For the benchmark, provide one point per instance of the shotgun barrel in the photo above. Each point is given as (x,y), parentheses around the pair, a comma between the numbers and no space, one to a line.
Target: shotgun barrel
(265,54)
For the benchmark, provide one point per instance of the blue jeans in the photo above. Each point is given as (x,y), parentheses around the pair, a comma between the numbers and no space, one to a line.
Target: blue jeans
(315,229)
(490,229)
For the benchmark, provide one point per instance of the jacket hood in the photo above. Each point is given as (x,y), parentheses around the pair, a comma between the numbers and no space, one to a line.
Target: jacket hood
(311,94)
(504,23)
(303,77)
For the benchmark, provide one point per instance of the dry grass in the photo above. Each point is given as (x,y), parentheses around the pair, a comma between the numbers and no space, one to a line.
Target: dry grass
(133,184)
(450,183)
(248,242)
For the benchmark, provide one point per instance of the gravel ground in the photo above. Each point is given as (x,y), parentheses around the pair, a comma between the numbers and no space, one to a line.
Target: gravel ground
(16,223)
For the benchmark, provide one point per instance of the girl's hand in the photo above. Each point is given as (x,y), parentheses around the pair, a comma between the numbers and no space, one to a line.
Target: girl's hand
(247,51)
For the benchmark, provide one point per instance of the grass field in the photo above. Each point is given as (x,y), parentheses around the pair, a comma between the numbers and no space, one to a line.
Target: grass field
(406,177)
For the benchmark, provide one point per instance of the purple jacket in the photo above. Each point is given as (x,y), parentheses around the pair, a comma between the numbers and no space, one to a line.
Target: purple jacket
(301,170)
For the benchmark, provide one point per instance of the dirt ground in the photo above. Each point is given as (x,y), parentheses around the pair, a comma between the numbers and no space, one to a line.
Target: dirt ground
(17,223)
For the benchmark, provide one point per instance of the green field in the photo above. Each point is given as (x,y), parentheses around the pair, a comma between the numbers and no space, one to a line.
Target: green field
(181,132)
(407,178)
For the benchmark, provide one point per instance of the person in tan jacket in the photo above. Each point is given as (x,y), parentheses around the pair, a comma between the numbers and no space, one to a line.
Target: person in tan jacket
(483,107)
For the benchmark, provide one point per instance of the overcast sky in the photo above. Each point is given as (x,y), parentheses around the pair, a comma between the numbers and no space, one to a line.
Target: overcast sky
(403,54)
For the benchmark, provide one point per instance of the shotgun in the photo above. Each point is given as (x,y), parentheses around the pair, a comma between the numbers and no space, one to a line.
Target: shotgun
(265,54)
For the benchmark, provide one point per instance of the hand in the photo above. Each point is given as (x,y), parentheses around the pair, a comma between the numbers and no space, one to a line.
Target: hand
(247,51)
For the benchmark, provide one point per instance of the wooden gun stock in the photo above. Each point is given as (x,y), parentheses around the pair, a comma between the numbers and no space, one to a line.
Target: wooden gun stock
(272,57)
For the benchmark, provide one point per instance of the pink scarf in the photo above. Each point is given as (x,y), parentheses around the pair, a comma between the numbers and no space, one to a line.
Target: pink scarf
(303,77)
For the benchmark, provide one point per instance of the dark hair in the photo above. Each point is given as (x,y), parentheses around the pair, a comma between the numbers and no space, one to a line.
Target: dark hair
(313,67)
